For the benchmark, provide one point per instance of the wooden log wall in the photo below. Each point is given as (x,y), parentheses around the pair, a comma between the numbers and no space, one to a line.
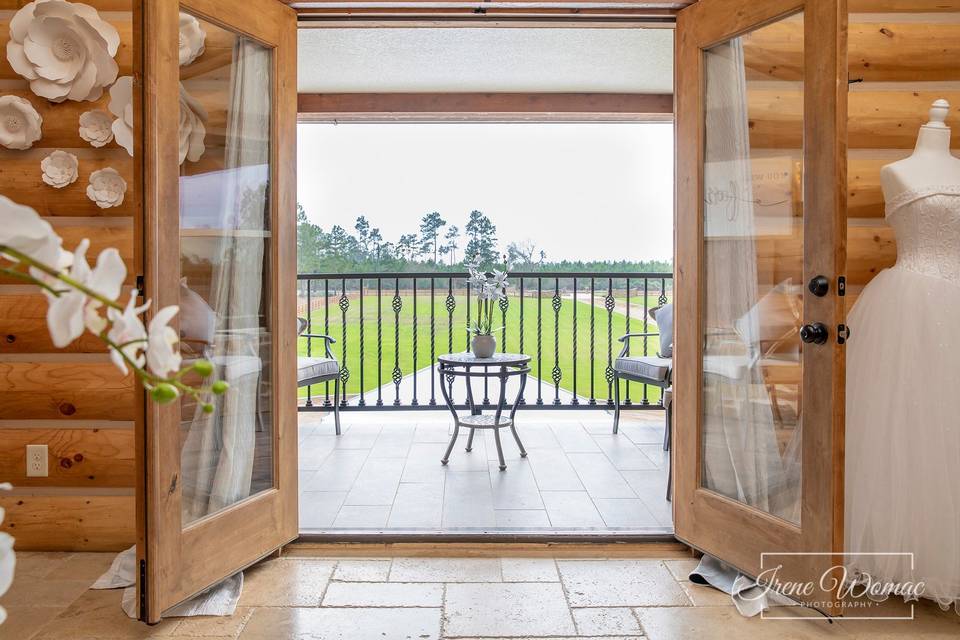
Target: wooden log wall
(73,400)
(900,61)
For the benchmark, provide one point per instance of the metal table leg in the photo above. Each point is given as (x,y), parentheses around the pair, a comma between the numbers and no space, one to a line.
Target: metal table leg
(513,413)
(447,395)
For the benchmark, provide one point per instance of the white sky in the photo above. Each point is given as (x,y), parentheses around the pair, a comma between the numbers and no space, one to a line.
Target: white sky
(579,191)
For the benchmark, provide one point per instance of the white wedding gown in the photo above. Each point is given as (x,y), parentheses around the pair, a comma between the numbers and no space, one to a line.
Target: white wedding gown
(903,403)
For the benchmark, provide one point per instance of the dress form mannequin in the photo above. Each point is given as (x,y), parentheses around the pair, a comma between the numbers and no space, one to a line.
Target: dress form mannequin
(931,164)
(902,443)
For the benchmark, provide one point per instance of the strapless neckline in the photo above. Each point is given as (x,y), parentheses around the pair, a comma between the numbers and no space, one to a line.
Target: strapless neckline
(912,195)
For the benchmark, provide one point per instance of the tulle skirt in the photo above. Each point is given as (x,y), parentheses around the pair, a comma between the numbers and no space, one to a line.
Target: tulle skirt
(903,433)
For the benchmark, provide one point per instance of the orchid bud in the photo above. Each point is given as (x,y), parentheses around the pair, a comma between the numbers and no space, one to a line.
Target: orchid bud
(207,408)
(219,387)
(203,367)
(164,392)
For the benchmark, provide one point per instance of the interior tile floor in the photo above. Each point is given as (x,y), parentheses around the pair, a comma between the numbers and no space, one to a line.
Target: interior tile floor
(384,474)
(308,598)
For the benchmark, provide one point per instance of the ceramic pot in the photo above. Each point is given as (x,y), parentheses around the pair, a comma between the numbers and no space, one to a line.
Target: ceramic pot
(484,346)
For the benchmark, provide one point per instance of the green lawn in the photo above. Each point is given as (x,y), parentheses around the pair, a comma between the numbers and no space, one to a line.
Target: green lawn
(411,359)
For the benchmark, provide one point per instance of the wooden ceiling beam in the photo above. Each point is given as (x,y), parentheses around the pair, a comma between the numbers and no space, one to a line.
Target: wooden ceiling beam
(484,106)
(308,10)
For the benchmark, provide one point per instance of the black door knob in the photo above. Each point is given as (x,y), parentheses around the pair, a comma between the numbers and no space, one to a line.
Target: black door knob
(815,333)
(819,286)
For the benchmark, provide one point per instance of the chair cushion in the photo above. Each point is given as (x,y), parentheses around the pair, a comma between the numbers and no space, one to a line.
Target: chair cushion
(654,369)
(310,368)
(664,320)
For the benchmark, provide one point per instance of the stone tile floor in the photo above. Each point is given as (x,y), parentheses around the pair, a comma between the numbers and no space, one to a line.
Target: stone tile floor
(384,474)
(299,598)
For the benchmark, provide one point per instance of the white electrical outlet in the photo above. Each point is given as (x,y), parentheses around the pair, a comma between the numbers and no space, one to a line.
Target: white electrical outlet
(37,461)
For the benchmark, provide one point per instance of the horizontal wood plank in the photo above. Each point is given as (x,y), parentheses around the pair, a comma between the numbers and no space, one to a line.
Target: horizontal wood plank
(23,328)
(70,523)
(22,181)
(878,52)
(65,390)
(77,457)
(101,237)
(877,119)
(317,106)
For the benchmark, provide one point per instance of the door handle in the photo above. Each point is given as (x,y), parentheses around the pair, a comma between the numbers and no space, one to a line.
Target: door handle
(814,333)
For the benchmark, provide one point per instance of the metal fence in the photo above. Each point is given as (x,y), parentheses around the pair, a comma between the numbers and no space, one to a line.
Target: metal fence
(390,328)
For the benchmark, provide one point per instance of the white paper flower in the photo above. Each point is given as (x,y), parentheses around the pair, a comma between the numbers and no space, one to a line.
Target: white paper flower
(192,39)
(64,49)
(95,127)
(106,188)
(19,123)
(22,229)
(59,169)
(8,559)
(128,330)
(193,120)
(163,357)
(121,106)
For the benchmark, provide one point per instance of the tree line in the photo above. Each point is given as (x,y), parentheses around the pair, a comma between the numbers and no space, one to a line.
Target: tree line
(435,246)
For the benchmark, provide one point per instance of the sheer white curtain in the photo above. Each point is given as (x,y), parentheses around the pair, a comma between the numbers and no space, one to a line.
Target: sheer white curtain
(219,468)
(741,459)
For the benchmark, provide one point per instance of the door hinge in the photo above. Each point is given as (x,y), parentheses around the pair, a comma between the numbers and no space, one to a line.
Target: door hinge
(139,285)
(843,333)
(142,613)
(842,286)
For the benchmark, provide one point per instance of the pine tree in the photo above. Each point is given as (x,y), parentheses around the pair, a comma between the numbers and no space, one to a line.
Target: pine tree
(482,247)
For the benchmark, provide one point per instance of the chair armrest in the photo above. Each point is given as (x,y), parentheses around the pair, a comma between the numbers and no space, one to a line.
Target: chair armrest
(627,336)
(328,340)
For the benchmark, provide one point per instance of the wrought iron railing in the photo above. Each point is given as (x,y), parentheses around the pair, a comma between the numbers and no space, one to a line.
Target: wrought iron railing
(390,328)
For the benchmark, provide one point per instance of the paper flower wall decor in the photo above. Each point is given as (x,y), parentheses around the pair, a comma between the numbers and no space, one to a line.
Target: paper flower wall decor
(121,106)
(193,120)
(59,169)
(106,188)
(95,127)
(64,49)
(19,123)
(192,39)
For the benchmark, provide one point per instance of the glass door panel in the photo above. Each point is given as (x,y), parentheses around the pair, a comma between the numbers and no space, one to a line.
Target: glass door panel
(753,269)
(225,267)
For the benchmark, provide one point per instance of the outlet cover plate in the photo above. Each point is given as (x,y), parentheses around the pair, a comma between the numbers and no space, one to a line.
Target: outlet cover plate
(37,456)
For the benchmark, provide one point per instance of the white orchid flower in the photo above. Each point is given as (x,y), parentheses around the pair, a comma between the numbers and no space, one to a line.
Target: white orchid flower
(163,357)
(8,560)
(128,333)
(500,279)
(22,229)
(70,313)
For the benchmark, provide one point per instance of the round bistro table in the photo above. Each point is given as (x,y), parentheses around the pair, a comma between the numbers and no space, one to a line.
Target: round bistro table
(501,366)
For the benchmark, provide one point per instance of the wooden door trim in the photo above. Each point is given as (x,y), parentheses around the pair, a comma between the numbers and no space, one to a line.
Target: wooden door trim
(182,561)
(705,519)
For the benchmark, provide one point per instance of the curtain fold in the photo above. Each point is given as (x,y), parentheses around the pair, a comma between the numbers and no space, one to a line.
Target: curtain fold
(741,457)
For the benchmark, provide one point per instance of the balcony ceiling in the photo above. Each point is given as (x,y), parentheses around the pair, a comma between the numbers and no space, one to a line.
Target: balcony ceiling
(382,60)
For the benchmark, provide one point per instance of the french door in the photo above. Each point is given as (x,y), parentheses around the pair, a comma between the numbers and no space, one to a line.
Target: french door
(219,137)
(760,252)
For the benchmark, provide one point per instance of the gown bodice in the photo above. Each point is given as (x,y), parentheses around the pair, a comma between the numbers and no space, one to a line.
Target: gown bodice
(926,222)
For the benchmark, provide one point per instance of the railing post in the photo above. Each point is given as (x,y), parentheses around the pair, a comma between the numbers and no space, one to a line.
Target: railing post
(574,351)
(523,304)
(361,402)
(344,369)
(379,341)
(609,303)
(627,401)
(556,373)
(414,402)
(309,402)
(326,332)
(397,374)
(646,329)
(593,359)
(433,342)
(539,340)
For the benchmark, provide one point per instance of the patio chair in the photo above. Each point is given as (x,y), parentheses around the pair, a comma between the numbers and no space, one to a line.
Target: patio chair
(652,370)
(312,370)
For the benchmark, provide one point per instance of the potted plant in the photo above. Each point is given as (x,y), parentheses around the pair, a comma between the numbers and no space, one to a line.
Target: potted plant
(490,289)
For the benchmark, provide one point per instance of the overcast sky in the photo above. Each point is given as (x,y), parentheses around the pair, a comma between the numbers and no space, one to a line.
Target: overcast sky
(578,191)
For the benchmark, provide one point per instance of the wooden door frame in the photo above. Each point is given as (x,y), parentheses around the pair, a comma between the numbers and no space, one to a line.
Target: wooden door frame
(247,530)
(704,519)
